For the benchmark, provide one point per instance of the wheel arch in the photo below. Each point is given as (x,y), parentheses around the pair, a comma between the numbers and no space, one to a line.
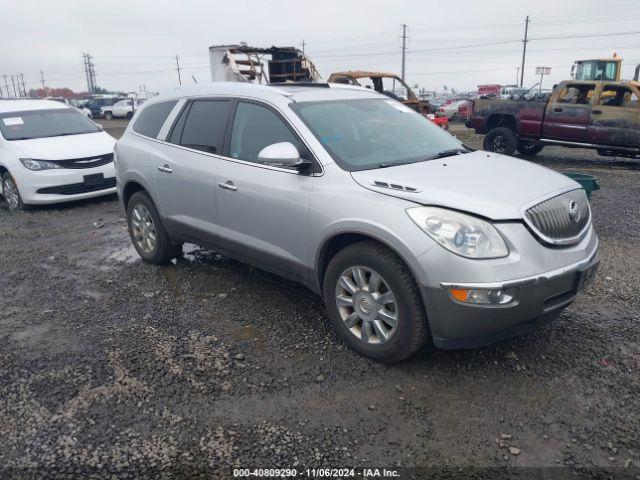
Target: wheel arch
(131,187)
(502,120)
(340,240)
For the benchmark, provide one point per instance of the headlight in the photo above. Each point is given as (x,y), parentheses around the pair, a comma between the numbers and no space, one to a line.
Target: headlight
(465,235)
(32,164)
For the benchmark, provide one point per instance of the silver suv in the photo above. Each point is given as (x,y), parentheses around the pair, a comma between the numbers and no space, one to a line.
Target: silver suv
(408,235)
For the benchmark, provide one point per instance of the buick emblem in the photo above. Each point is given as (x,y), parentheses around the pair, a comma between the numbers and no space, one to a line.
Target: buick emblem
(574,211)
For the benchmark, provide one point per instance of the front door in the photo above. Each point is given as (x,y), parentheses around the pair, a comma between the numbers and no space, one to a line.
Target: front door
(614,117)
(186,168)
(262,210)
(568,113)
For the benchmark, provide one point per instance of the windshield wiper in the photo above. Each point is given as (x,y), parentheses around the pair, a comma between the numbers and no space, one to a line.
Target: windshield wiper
(449,153)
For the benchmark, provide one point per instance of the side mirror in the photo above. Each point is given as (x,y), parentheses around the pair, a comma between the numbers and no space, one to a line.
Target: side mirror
(283,154)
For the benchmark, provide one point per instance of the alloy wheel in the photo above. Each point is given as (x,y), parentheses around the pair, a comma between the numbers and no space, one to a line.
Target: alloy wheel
(499,144)
(366,305)
(10,192)
(144,231)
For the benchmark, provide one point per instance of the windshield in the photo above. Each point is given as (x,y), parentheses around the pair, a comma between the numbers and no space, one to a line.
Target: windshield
(373,133)
(27,125)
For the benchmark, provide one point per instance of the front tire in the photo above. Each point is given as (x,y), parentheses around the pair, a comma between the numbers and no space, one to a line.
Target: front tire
(11,193)
(147,233)
(500,140)
(374,303)
(108,115)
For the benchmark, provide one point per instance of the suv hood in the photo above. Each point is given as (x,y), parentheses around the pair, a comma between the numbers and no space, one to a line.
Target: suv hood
(61,148)
(487,184)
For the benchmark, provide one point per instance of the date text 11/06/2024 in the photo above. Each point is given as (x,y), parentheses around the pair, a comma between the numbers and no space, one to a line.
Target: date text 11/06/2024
(315,473)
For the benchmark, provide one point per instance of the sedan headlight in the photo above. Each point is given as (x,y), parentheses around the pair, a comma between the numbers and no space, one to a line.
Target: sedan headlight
(32,164)
(462,234)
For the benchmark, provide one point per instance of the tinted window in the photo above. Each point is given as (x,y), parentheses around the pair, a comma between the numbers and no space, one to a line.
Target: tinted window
(255,127)
(26,125)
(152,118)
(205,125)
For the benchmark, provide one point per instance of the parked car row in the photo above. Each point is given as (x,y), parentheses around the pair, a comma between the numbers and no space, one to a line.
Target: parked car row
(409,236)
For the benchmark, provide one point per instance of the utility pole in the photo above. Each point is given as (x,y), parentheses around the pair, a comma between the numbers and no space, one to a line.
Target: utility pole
(6,84)
(178,69)
(44,89)
(303,45)
(92,73)
(87,72)
(404,48)
(524,48)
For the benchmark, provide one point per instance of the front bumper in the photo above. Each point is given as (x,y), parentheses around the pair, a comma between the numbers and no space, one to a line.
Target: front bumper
(63,185)
(538,300)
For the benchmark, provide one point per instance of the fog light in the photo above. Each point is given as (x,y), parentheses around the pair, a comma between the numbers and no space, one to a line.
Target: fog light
(482,296)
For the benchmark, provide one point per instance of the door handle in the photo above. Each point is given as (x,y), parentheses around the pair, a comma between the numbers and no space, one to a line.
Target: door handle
(596,112)
(557,109)
(228,186)
(165,168)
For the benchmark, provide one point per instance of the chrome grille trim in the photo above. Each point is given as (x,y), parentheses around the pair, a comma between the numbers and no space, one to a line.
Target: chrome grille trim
(551,221)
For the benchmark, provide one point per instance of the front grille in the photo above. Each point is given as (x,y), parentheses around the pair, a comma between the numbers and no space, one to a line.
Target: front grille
(86,162)
(77,188)
(561,220)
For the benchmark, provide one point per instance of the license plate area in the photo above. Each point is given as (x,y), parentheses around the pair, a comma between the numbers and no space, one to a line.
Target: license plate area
(94,179)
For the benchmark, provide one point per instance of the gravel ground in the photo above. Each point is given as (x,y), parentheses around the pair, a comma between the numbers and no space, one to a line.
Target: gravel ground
(111,366)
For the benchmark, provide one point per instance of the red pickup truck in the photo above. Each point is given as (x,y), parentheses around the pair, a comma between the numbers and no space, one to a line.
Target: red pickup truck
(601,115)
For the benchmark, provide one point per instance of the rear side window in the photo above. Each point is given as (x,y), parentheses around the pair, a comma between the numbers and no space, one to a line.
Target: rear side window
(204,126)
(151,119)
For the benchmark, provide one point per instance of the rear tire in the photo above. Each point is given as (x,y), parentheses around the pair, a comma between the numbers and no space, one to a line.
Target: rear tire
(500,140)
(358,322)
(529,148)
(147,233)
(11,193)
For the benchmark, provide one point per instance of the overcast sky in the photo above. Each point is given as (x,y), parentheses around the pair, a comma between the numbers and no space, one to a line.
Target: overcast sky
(460,44)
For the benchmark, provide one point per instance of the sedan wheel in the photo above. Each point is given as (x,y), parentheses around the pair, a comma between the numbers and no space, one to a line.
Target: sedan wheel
(366,305)
(144,231)
(10,192)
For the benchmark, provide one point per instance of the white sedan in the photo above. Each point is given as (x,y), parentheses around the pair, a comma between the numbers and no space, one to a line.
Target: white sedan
(51,153)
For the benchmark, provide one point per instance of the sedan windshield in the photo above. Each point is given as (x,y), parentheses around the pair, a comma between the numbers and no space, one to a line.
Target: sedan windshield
(375,133)
(30,124)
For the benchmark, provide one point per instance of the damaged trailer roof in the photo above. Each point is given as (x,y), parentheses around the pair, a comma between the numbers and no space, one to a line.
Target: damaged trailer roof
(242,63)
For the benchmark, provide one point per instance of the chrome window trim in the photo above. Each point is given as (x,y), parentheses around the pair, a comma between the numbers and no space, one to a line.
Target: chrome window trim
(552,241)
(230,159)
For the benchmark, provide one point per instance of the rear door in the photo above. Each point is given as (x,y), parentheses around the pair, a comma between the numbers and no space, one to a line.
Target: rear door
(568,113)
(614,117)
(186,169)
(262,210)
